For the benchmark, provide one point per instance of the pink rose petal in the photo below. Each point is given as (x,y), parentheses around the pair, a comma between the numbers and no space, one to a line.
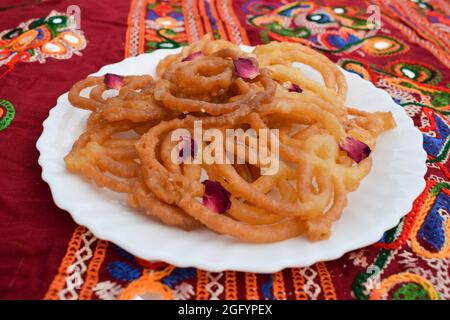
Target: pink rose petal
(295,88)
(193,56)
(357,150)
(216,197)
(245,68)
(113,81)
(292,87)
(188,147)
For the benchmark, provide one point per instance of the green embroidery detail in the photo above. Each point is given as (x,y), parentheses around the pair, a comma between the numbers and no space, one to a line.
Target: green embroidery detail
(389,235)
(400,48)
(411,291)
(8,115)
(36,23)
(168,43)
(438,187)
(440,99)
(357,23)
(362,277)
(275,27)
(432,76)
(13,33)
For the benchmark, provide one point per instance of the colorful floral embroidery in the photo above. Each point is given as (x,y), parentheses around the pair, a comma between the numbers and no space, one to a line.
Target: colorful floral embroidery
(411,286)
(165,25)
(157,24)
(416,71)
(331,29)
(54,36)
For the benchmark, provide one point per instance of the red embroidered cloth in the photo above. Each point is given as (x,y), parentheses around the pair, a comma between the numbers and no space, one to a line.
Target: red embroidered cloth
(45,46)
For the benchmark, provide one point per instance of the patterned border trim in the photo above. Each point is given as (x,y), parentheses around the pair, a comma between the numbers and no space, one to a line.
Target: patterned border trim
(202,281)
(251,286)
(193,24)
(279,288)
(326,282)
(299,283)
(231,289)
(134,41)
(237,33)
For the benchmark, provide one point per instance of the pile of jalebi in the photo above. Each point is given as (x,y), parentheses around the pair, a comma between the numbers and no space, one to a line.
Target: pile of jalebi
(323,146)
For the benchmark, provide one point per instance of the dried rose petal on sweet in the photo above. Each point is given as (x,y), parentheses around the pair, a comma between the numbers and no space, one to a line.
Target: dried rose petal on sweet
(113,81)
(292,87)
(357,150)
(216,197)
(245,68)
(295,88)
(193,56)
(188,147)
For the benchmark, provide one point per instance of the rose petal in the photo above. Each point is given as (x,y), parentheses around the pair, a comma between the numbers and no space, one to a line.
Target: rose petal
(357,150)
(113,81)
(295,88)
(245,68)
(292,87)
(216,197)
(188,147)
(193,56)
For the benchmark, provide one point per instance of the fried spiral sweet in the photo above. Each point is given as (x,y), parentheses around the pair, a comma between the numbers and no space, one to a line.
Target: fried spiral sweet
(322,147)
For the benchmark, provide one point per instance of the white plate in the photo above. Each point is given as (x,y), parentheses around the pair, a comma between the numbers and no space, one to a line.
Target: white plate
(384,196)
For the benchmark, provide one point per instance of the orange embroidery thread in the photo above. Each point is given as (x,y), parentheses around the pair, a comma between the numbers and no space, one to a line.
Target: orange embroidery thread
(135,38)
(204,17)
(197,19)
(129,28)
(220,26)
(187,25)
(59,281)
(242,31)
(329,291)
(230,285)
(299,282)
(142,28)
(149,282)
(408,222)
(202,281)
(229,26)
(93,269)
(251,286)
(279,291)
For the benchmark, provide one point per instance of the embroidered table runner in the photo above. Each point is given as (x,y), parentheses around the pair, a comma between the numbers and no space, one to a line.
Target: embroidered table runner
(46,46)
